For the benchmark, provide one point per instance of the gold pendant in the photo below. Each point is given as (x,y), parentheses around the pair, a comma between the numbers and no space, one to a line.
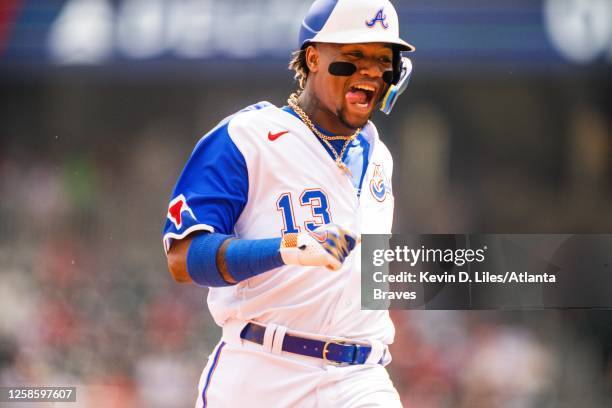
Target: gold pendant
(345,169)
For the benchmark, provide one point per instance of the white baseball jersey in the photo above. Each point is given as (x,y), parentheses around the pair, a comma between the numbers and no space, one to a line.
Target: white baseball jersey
(262,173)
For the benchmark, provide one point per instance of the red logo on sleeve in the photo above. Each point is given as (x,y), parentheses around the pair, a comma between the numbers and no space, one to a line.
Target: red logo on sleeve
(177,207)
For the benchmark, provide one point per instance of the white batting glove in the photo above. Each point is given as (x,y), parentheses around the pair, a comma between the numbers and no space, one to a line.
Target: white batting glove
(328,246)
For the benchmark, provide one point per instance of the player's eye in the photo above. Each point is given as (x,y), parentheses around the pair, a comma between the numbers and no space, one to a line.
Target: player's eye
(355,54)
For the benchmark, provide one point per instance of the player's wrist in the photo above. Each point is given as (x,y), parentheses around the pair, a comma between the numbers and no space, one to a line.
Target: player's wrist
(288,249)
(302,249)
(328,246)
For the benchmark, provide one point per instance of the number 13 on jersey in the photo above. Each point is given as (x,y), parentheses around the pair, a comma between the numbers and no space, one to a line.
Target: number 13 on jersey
(314,198)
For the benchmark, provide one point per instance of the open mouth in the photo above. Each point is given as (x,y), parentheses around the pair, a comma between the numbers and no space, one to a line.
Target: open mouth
(361,95)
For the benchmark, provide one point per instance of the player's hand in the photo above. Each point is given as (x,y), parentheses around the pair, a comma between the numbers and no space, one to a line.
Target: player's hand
(328,246)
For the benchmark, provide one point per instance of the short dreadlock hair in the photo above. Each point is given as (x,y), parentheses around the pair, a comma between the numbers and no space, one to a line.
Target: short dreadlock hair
(299,65)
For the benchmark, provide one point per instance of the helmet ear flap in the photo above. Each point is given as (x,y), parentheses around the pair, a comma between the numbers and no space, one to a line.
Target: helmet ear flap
(392,77)
(397,64)
(396,89)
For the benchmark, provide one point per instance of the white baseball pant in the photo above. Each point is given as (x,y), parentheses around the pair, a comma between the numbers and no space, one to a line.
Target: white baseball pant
(240,373)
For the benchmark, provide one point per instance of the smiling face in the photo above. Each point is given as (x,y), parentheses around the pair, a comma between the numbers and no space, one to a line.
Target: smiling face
(350,100)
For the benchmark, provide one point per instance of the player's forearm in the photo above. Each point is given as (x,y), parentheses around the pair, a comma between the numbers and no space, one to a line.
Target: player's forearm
(177,260)
(217,260)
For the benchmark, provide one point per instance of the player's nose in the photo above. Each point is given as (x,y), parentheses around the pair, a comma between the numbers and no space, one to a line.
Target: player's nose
(370,67)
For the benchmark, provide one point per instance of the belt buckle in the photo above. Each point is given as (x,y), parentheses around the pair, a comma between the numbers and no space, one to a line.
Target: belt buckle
(326,350)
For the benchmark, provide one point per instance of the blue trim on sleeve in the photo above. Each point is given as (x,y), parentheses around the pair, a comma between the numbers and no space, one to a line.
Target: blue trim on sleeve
(248,258)
(202,260)
(214,184)
(215,181)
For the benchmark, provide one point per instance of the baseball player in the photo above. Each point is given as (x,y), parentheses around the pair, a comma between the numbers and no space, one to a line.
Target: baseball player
(268,211)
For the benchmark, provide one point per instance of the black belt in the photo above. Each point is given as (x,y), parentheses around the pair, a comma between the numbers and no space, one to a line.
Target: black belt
(332,351)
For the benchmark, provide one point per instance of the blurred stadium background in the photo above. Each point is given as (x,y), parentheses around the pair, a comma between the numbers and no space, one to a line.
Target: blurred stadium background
(505,128)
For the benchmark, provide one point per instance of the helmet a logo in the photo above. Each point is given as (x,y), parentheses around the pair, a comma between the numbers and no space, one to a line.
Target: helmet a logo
(380,17)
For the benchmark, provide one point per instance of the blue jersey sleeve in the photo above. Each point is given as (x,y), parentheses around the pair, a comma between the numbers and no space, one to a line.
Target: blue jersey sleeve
(212,190)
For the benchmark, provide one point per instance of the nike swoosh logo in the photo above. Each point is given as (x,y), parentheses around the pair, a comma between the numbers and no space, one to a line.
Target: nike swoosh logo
(321,237)
(273,136)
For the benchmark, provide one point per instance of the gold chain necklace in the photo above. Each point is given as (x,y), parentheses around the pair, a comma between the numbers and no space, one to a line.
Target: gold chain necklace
(293,103)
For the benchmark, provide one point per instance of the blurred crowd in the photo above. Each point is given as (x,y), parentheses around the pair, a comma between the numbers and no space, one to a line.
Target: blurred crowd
(86,303)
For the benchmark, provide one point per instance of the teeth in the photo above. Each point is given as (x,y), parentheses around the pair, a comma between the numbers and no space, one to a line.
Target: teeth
(365,87)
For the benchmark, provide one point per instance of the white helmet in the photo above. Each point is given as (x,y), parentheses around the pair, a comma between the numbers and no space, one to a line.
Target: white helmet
(352,21)
(360,21)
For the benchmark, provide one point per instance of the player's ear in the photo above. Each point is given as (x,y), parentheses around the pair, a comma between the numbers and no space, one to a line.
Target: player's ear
(312,58)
